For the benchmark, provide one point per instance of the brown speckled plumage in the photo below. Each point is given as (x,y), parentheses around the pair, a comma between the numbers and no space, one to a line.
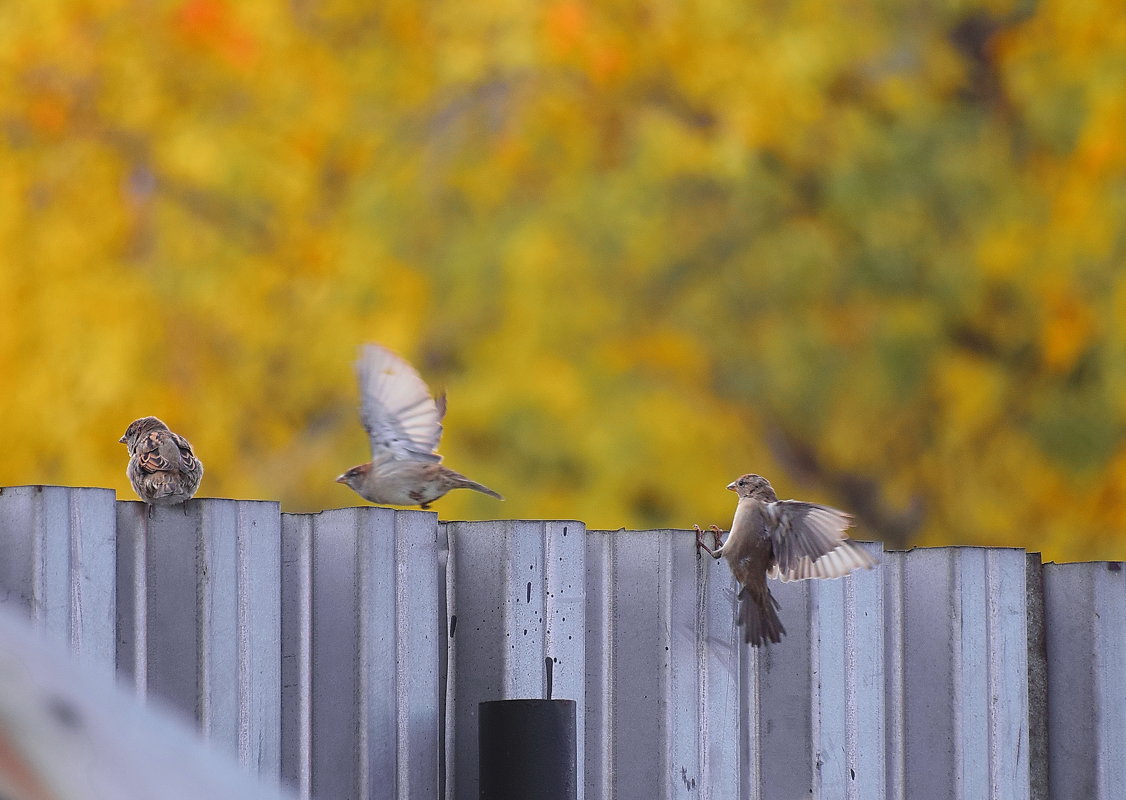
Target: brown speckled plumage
(162,467)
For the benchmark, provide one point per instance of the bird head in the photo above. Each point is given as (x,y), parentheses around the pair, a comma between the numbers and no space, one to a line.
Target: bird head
(355,476)
(138,428)
(756,486)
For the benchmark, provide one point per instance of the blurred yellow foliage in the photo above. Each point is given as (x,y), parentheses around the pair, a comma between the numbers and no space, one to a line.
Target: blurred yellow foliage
(874,251)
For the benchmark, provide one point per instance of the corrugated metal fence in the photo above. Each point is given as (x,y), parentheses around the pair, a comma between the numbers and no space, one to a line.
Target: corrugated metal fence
(345,652)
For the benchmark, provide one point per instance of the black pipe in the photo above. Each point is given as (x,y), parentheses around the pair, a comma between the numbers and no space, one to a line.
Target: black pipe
(526,750)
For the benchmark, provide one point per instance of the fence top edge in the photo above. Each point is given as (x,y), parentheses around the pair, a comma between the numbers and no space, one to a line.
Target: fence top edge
(382,510)
(39,487)
(1109,566)
(531,521)
(967,547)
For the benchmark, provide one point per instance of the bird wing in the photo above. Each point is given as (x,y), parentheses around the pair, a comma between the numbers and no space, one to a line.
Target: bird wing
(150,457)
(810,541)
(164,451)
(188,461)
(402,420)
(847,558)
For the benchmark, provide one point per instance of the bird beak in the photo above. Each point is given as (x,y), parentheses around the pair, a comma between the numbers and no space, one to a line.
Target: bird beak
(122,440)
(342,479)
(731,486)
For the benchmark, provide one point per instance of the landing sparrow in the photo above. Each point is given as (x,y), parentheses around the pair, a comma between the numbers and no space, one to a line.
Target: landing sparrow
(404,424)
(785,539)
(162,467)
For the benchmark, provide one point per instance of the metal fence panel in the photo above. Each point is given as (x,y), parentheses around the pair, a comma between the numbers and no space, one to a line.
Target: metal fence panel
(57,564)
(241,602)
(627,652)
(1085,612)
(664,668)
(1038,747)
(349,649)
(1005,699)
(199,617)
(848,684)
(158,576)
(957,656)
(362,615)
(920,639)
(297,652)
(515,591)
(723,662)
(783,735)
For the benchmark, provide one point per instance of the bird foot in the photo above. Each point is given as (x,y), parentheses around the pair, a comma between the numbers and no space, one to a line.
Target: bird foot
(717,535)
(718,543)
(700,545)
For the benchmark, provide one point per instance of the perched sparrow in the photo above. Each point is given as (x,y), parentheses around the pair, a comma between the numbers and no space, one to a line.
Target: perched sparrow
(784,539)
(162,467)
(404,424)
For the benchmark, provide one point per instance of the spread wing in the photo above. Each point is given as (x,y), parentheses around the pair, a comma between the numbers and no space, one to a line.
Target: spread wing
(810,541)
(402,420)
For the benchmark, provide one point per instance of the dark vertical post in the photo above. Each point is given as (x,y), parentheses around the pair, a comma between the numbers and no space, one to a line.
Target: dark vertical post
(526,750)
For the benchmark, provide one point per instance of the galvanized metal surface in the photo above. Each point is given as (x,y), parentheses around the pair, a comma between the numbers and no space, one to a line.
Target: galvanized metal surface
(665,671)
(199,601)
(57,561)
(1038,750)
(362,648)
(848,680)
(1085,613)
(348,650)
(957,662)
(516,614)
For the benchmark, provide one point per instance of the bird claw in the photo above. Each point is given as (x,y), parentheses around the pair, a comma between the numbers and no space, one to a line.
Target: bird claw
(716,535)
(700,545)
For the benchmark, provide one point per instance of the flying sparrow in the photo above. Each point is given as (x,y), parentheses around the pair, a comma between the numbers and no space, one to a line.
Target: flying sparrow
(404,424)
(785,539)
(162,467)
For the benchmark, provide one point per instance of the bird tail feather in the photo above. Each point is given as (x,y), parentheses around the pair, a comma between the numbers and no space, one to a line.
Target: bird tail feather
(760,621)
(477,487)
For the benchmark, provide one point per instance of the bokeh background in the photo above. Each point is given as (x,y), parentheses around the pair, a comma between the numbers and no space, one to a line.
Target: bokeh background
(873,250)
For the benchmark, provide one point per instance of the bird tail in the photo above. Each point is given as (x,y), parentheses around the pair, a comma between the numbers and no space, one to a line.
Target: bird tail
(477,487)
(759,618)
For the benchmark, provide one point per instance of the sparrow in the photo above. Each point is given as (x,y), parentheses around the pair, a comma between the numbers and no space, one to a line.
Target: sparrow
(404,424)
(785,539)
(162,467)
